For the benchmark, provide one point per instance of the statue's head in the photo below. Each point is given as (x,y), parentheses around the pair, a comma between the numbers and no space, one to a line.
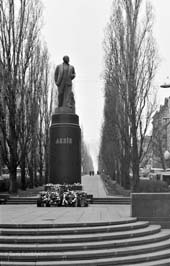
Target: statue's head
(66,59)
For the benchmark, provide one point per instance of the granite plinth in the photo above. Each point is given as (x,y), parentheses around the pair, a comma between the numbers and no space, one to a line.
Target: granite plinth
(65,149)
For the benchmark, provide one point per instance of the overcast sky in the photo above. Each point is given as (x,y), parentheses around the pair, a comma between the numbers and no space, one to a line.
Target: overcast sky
(76,28)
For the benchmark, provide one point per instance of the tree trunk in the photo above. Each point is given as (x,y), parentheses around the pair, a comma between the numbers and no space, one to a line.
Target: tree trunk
(13,154)
(40,166)
(135,162)
(13,181)
(46,148)
(23,177)
(31,175)
(35,171)
(127,167)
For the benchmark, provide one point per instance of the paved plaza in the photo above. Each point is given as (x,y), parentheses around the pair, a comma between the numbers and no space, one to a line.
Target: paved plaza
(31,214)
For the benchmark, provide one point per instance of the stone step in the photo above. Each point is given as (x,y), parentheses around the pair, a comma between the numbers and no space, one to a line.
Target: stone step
(163,262)
(22,200)
(70,225)
(112,203)
(112,200)
(75,230)
(63,260)
(163,235)
(32,201)
(151,229)
(20,203)
(86,254)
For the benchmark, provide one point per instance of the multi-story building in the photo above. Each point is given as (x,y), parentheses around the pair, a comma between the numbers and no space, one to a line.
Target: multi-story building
(161,137)
(147,153)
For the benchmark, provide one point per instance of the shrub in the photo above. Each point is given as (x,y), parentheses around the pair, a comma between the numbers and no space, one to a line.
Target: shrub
(112,187)
(154,186)
(4,185)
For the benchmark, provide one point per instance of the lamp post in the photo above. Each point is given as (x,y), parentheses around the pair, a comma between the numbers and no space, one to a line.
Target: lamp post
(166,153)
(166,84)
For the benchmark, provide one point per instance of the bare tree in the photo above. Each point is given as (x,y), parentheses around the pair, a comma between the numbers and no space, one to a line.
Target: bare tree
(47,111)
(19,29)
(45,100)
(131,62)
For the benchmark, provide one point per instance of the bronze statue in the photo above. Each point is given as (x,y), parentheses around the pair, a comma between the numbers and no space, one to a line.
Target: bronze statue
(64,74)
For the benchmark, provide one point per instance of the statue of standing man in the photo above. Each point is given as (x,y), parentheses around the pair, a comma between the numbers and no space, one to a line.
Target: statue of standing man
(64,74)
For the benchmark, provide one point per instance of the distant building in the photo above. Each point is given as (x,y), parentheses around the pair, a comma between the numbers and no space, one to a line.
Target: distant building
(161,136)
(147,153)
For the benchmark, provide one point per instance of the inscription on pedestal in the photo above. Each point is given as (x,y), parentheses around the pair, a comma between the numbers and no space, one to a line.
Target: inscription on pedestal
(66,140)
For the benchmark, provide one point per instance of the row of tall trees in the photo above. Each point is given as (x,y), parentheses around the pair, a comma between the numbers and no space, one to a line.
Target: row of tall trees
(130,66)
(24,91)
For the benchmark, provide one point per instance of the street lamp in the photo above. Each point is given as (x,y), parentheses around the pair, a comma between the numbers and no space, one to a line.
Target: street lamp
(166,153)
(166,85)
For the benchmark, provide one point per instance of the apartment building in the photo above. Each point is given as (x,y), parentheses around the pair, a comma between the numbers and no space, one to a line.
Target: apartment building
(161,136)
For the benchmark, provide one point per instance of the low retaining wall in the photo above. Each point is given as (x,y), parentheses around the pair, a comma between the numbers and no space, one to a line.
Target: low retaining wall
(153,207)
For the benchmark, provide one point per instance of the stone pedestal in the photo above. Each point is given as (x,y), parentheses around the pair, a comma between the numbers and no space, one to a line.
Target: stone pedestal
(65,149)
(152,207)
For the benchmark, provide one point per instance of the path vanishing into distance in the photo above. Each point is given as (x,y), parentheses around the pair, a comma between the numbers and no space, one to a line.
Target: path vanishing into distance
(94,185)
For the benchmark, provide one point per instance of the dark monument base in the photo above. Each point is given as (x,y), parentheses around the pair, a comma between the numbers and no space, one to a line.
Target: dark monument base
(65,149)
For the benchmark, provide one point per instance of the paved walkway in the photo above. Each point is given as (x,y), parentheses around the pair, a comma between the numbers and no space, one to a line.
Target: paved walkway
(94,185)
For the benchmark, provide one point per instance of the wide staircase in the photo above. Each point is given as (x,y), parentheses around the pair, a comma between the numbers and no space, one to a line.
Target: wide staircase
(128,242)
(94,200)
(22,200)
